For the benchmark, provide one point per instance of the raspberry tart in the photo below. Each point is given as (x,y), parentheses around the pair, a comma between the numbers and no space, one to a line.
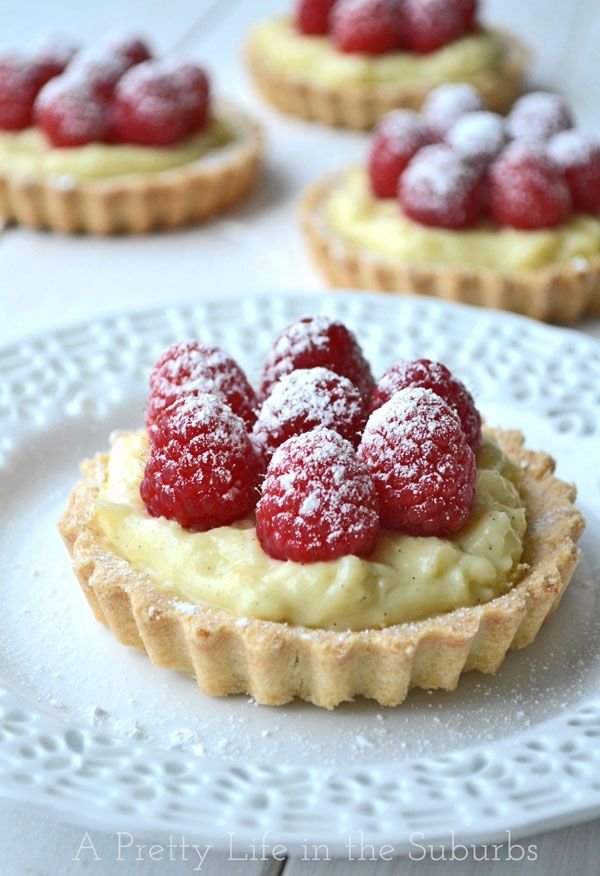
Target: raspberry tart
(108,139)
(327,538)
(347,62)
(461,203)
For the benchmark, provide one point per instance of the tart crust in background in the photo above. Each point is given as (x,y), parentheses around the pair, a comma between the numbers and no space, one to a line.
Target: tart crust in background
(558,293)
(275,662)
(360,106)
(140,203)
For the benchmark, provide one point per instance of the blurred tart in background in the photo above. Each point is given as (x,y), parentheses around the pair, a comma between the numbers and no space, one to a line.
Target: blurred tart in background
(463,204)
(108,139)
(345,63)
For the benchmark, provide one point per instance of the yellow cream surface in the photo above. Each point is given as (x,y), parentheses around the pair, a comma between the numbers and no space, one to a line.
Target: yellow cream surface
(28,153)
(406,578)
(379,225)
(316,59)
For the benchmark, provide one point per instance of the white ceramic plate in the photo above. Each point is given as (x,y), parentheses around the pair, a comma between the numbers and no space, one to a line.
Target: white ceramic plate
(93,730)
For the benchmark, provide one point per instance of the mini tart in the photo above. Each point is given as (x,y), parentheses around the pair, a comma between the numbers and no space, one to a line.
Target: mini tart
(561,293)
(140,202)
(359,106)
(276,662)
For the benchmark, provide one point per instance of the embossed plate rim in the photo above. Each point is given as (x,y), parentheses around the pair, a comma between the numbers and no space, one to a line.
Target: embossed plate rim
(173,791)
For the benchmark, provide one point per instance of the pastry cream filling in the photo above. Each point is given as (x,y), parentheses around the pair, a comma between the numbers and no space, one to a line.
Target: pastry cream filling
(406,578)
(378,225)
(28,153)
(316,59)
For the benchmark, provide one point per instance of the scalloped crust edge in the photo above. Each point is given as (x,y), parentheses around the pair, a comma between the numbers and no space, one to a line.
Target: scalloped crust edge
(275,662)
(140,203)
(359,107)
(556,294)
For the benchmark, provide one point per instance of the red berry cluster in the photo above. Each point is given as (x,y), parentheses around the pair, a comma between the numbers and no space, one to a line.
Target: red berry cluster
(374,27)
(329,456)
(113,91)
(456,162)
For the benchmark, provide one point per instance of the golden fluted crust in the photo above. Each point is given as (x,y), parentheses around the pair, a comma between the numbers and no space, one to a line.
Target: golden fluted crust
(558,293)
(360,106)
(275,662)
(139,203)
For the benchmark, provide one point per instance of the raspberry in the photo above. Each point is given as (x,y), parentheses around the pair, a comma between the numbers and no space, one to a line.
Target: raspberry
(194,92)
(318,501)
(526,190)
(131,47)
(398,137)
(202,470)
(371,27)
(469,11)
(445,104)
(52,55)
(578,157)
(150,108)
(538,116)
(307,399)
(478,136)
(69,114)
(312,16)
(431,24)
(317,341)
(102,65)
(193,368)
(20,82)
(425,374)
(98,72)
(440,188)
(423,468)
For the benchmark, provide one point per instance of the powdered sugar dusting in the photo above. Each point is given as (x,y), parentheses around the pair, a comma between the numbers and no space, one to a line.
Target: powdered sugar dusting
(478,135)
(414,415)
(202,471)
(139,85)
(447,103)
(98,66)
(190,368)
(572,148)
(436,179)
(209,414)
(526,190)
(70,113)
(404,131)
(55,48)
(423,468)
(428,374)
(18,88)
(538,116)
(328,510)
(305,399)
(317,341)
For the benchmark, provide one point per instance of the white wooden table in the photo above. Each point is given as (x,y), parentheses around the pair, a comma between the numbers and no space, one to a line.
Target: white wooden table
(48,281)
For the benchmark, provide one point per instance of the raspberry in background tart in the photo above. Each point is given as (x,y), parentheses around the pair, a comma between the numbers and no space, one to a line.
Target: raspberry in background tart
(462,203)
(346,63)
(327,541)
(108,138)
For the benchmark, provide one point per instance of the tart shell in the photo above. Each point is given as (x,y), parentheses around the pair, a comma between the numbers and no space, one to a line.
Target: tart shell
(360,106)
(276,662)
(139,203)
(560,294)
